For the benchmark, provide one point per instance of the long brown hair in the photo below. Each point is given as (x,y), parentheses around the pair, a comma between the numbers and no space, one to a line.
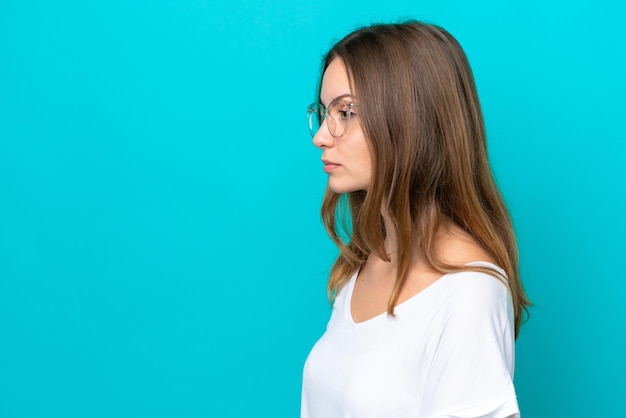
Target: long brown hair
(420,113)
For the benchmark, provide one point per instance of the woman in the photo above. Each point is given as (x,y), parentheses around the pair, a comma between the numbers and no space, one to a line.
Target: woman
(427,299)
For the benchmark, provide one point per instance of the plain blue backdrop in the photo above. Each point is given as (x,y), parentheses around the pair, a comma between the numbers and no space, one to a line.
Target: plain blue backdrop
(161,253)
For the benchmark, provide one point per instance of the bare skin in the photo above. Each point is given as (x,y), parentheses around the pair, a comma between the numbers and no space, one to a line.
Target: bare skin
(375,281)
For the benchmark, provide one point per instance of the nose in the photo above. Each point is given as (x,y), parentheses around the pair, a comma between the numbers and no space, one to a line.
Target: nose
(323,138)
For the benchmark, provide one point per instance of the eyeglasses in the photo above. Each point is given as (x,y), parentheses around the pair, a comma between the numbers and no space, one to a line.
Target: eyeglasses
(339,112)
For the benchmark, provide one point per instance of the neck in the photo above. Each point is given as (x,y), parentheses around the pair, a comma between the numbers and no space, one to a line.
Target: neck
(391,241)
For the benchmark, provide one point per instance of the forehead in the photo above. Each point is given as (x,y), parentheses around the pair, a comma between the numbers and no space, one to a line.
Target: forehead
(335,82)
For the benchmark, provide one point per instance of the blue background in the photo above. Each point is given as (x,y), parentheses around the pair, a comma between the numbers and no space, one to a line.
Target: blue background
(161,252)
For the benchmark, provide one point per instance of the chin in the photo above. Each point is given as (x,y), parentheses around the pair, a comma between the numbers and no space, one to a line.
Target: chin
(341,188)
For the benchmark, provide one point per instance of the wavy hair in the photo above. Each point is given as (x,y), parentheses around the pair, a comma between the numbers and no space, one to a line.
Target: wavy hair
(420,113)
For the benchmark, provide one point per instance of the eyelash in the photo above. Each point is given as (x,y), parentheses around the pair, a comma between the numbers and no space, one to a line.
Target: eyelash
(344,113)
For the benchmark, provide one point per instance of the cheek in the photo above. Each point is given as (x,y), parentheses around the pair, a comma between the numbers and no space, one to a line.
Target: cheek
(361,151)
(365,159)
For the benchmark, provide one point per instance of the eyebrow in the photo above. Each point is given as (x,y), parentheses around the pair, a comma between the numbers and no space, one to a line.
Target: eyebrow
(341,96)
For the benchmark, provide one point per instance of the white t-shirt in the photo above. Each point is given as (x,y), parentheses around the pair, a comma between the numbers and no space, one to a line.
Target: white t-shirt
(448,352)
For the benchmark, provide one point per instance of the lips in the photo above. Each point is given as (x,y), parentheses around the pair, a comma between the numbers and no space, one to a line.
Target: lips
(330,166)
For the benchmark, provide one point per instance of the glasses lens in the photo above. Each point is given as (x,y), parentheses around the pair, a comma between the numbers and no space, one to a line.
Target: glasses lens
(315,112)
(339,113)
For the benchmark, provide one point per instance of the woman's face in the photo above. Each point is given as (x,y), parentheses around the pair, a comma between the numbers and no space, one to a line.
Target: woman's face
(347,159)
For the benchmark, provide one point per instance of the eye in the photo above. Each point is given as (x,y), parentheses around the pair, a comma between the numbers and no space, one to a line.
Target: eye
(345,114)
(344,110)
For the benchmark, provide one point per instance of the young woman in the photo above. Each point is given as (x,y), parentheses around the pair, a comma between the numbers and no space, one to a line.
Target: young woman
(427,299)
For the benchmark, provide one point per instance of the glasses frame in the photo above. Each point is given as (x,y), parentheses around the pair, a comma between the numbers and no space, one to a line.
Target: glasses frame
(312,111)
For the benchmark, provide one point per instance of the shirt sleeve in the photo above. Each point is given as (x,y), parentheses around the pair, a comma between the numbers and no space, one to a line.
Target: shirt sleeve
(471,374)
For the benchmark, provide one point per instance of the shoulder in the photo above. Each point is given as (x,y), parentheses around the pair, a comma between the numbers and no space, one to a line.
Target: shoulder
(455,246)
(472,294)
(479,283)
